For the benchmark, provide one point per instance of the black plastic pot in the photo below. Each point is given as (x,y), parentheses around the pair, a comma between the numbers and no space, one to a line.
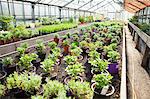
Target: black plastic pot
(36,62)
(20,94)
(2,76)
(41,56)
(10,69)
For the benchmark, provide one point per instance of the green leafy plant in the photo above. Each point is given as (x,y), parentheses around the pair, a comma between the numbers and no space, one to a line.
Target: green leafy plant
(70,59)
(47,65)
(22,49)
(113,56)
(111,47)
(6,21)
(53,88)
(52,45)
(65,43)
(28,82)
(83,44)
(81,19)
(80,90)
(7,61)
(2,90)
(25,61)
(75,70)
(40,47)
(102,80)
(37,97)
(76,51)
(94,55)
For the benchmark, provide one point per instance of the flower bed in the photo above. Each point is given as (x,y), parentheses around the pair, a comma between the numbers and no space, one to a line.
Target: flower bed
(84,65)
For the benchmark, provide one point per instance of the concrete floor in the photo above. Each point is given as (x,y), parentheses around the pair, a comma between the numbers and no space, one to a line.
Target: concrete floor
(139,80)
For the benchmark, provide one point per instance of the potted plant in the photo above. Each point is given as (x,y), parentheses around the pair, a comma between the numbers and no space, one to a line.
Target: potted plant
(8,65)
(77,52)
(2,90)
(113,57)
(80,90)
(22,49)
(48,66)
(40,48)
(54,89)
(56,38)
(74,71)
(25,62)
(66,46)
(94,55)
(23,85)
(83,45)
(52,45)
(99,45)
(98,66)
(101,85)
(6,22)
(70,60)
(81,19)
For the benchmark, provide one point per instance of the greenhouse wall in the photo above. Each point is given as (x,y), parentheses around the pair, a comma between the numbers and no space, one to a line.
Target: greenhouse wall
(144,15)
(27,12)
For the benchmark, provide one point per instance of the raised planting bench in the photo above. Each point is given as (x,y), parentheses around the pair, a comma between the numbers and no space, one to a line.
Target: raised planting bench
(46,38)
(8,49)
(142,41)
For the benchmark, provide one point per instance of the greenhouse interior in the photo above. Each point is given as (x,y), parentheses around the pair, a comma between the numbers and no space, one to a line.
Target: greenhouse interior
(74,49)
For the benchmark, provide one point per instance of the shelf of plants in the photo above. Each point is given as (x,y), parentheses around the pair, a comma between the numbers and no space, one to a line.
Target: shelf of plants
(84,65)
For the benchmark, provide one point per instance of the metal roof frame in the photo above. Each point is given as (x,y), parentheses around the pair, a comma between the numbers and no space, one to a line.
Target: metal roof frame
(56,6)
(103,5)
(68,3)
(96,5)
(85,4)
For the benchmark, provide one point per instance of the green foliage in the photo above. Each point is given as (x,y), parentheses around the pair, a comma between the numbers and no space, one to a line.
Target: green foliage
(111,47)
(70,59)
(37,97)
(2,90)
(52,45)
(81,90)
(94,55)
(145,27)
(65,42)
(55,28)
(25,61)
(81,19)
(28,82)
(113,56)
(7,61)
(23,47)
(53,88)
(102,80)
(83,44)
(40,46)
(76,51)
(71,20)
(47,65)
(6,22)
(75,70)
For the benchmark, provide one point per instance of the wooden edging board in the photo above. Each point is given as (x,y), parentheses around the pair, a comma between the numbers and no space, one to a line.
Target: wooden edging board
(123,87)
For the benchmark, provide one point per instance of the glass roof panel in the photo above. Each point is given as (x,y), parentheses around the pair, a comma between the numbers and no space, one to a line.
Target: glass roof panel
(32,0)
(91,4)
(99,5)
(77,3)
(58,2)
